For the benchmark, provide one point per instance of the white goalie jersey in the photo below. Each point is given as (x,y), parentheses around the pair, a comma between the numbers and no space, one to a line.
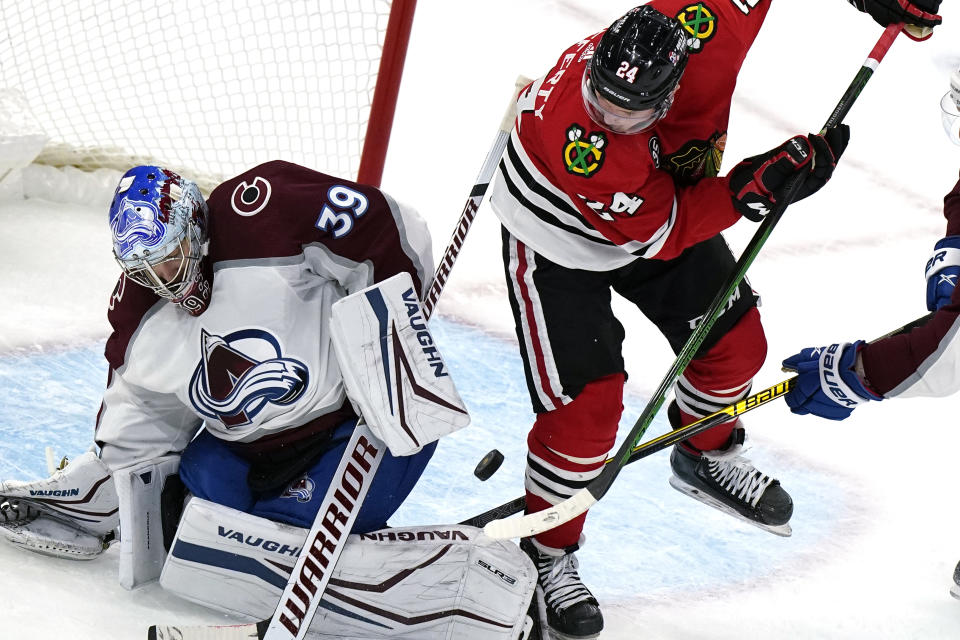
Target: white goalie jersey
(257,367)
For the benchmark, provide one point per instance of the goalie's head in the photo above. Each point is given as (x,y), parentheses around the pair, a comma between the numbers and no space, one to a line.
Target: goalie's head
(631,80)
(158,222)
(950,109)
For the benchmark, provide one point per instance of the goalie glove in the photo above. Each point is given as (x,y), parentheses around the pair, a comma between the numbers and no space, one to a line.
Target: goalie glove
(827,383)
(757,184)
(919,16)
(15,511)
(943,269)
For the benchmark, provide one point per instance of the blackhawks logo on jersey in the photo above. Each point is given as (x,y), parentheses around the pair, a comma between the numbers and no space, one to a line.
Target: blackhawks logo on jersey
(700,23)
(697,159)
(583,157)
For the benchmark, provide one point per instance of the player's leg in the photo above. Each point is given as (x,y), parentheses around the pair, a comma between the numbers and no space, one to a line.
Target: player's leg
(709,466)
(213,472)
(428,582)
(570,345)
(297,503)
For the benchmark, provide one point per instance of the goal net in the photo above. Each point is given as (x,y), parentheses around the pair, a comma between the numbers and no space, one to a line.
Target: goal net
(208,89)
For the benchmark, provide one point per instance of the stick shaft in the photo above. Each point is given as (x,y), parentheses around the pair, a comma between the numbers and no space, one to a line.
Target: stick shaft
(472,204)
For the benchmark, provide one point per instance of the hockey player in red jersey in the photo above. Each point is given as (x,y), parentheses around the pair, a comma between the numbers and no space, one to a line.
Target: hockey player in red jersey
(222,321)
(834,380)
(610,181)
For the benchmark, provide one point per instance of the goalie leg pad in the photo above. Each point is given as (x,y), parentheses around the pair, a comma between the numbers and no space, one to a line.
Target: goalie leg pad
(140,491)
(429,583)
(392,369)
(81,493)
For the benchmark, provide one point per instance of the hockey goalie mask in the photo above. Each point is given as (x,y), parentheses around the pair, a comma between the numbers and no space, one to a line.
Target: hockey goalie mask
(950,109)
(158,222)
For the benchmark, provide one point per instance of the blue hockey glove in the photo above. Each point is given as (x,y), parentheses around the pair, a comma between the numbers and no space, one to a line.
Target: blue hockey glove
(827,386)
(943,270)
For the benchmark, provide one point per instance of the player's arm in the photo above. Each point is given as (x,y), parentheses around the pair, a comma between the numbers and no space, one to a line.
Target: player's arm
(368,237)
(751,190)
(943,267)
(833,381)
(350,233)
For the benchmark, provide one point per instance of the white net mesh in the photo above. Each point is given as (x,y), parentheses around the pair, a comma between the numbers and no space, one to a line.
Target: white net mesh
(206,88)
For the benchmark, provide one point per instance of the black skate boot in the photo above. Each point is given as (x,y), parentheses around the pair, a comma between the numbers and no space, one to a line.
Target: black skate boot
(727,481)
(572,613)
(955,587)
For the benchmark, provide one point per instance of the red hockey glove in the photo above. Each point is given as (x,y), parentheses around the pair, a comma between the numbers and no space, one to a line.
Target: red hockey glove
(759,183)
(919,16)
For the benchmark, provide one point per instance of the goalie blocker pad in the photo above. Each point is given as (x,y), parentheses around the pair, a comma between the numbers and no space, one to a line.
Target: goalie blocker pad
(392,369)
(429,583)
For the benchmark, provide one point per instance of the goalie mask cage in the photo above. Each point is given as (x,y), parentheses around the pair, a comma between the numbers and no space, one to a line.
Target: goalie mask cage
(208,89)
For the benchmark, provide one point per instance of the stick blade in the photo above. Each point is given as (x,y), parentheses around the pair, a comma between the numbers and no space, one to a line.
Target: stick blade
(536,523)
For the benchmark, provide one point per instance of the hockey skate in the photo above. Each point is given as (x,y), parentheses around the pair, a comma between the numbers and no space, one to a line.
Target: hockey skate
(568,610)
(727,481)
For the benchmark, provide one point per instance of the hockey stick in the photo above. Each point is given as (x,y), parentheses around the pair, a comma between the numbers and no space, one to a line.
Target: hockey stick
(656,444)
(361,459)
(675,436)
(580,502)
(473,201)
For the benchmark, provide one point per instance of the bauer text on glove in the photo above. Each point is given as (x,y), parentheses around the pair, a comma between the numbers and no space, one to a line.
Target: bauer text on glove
(827,383)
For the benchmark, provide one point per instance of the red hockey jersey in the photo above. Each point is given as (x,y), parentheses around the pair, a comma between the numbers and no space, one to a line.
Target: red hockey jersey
(588,198)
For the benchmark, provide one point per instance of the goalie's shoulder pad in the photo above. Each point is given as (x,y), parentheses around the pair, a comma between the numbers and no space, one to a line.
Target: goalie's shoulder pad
(392,368)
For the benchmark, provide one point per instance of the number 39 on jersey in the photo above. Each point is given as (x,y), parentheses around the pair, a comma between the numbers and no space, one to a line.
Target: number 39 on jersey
(343,207)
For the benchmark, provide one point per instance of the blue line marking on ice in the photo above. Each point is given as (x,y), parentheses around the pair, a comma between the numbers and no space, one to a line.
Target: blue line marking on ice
(644,539)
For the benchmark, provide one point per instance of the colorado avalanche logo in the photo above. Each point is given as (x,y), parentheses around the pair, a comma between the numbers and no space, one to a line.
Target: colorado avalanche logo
(301,489)
(138,223)
(232,387)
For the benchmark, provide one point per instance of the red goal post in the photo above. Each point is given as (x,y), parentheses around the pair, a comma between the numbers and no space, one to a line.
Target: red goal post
(205,88)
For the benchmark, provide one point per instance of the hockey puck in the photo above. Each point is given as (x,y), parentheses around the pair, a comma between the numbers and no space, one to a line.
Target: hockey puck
(488,465)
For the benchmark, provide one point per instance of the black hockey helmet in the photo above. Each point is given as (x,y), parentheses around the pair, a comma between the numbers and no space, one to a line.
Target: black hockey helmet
(639,61)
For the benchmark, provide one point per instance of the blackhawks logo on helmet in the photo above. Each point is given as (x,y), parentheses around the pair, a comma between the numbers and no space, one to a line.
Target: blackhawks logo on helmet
(700,23)
(583,157)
